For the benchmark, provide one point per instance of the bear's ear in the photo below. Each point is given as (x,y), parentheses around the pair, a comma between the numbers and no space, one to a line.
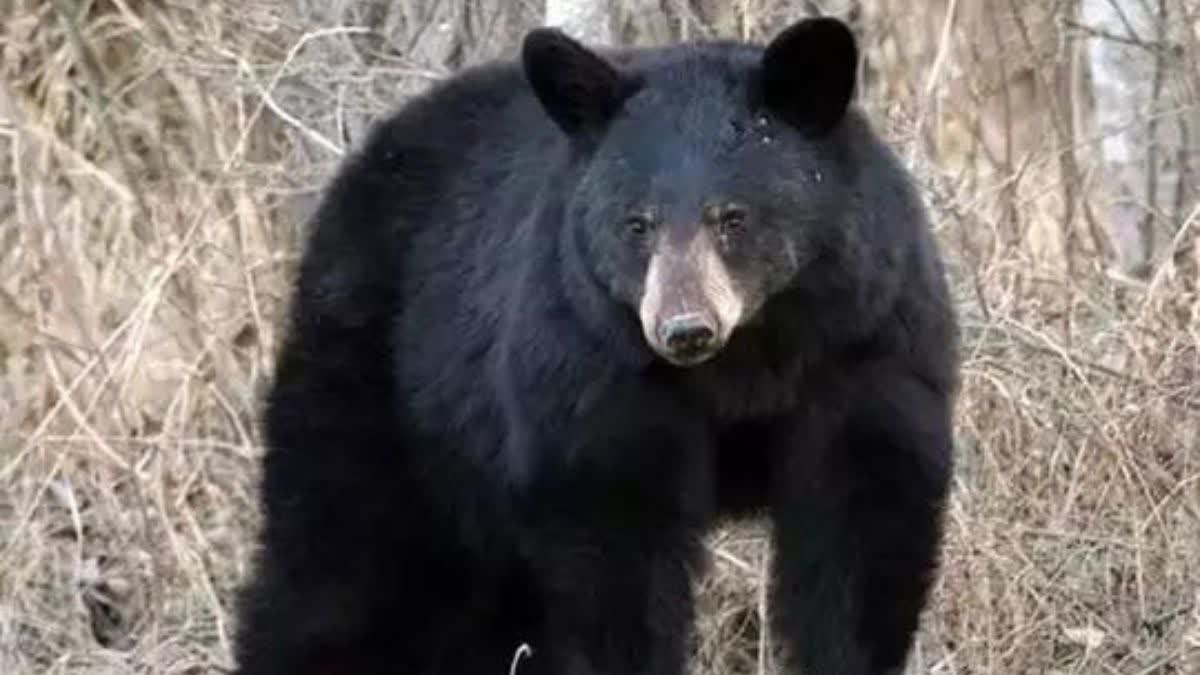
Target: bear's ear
(808,72)
(578,88)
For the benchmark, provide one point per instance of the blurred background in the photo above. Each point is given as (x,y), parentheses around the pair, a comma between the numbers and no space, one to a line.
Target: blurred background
(158,159)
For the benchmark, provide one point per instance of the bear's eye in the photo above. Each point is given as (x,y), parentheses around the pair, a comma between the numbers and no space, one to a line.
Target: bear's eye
(639,223)
(733,219)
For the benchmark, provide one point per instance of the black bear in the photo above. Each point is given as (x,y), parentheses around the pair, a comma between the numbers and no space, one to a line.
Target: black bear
(559,317)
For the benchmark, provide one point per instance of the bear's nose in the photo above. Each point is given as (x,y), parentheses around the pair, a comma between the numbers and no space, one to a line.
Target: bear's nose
(688,335)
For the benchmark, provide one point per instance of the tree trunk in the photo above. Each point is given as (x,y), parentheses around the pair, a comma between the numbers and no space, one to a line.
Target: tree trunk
(1124,71)
(589,21)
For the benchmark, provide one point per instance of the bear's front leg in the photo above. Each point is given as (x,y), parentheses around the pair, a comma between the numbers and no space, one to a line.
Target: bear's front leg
(615,524)
(857,505)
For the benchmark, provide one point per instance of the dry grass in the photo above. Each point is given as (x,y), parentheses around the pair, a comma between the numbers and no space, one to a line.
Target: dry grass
(157,159)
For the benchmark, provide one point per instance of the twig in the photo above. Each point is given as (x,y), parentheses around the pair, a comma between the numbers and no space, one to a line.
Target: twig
(1091,31)
(101,107)
(524,651)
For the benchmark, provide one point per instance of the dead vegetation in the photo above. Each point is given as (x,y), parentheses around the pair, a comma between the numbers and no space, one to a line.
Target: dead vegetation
(156,161)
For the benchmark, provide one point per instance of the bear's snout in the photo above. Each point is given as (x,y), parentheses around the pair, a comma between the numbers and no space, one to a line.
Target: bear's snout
(689,303)
(689,338)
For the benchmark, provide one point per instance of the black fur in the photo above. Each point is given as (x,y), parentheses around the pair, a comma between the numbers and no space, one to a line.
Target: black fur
(470,445)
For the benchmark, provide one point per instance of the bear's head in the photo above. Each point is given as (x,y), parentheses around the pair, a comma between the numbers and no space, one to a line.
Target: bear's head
(710,176)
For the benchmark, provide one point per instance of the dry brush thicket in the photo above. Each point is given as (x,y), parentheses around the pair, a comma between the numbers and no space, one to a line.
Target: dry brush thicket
(157,160)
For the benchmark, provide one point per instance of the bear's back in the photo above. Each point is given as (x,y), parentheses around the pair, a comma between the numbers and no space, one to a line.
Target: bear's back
(485,120)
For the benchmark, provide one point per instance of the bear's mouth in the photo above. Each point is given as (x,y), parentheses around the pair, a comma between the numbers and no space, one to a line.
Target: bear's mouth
(688,361)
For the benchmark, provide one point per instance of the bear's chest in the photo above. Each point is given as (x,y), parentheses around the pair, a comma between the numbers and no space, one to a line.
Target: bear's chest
(743,468)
